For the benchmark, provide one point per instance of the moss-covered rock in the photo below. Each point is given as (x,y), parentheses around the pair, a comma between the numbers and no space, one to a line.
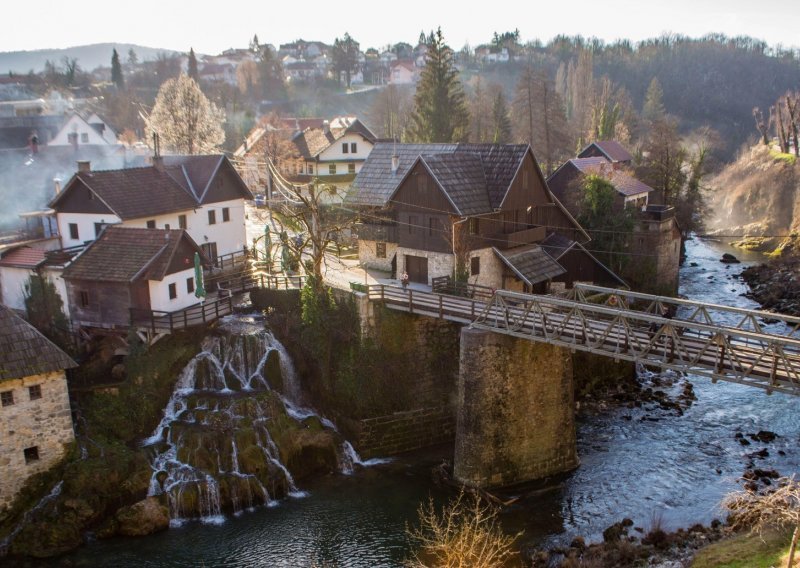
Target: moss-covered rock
(143,518)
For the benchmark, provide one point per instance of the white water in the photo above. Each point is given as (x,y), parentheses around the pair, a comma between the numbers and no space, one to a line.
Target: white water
(351,458)
(54,492)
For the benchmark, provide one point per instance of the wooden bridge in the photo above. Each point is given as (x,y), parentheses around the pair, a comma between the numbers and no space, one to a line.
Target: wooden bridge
(719,342)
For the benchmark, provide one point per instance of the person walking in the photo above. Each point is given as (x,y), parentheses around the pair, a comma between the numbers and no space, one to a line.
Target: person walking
(404,280)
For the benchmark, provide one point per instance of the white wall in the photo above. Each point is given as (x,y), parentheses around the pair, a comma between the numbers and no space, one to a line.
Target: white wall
(334,152)
(85,222)
(12,286)
(55,273)
(159,292)
(77,124)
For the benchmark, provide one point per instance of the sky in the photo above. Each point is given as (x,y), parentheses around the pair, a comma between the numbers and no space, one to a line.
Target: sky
(211,27)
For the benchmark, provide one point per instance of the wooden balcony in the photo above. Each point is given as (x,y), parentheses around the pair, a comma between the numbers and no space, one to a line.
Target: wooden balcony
(519,238)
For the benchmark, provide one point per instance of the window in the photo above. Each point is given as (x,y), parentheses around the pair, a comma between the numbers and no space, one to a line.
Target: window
(173,291)
(31,454)
(84,138)
(182,221)
(7,398)
(433,225)
(35,392)
(351,168)
(72,138)
(151,224)
(212,217)
(189,285)
(380,250)
(73,231)
(353,147)
(345,148)
(311,168)
(473,226)
(332,169)
(475,265)
(84,298)
(226,214)
(166,226)
(412,223)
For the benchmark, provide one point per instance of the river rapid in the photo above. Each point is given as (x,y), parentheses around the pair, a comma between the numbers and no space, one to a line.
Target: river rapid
(646,464)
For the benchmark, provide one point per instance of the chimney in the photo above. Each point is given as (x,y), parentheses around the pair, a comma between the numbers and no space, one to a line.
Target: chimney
(158,162)
(84,166)
(395,163)
(57,185)
(326,127)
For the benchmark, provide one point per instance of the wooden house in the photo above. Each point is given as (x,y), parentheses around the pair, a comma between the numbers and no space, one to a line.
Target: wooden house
(35,415)
(482,210)
(611,150)
(203,195)
(129,268)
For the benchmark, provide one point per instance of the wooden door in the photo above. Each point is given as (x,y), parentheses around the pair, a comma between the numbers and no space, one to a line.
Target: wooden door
(210,250)
(417,268)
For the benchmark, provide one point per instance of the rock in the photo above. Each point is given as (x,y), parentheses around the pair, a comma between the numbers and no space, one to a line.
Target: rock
(143,518)
(728,258)
(118,372)
(693,264)
(764,436)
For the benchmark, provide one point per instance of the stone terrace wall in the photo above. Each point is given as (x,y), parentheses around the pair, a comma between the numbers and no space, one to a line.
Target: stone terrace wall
(405,431)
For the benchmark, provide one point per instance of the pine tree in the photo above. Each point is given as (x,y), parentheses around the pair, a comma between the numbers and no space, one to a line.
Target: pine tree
(344,56)
(116,71)
(653,109)
(270,75)
(133,59)
(501,124)
(192,70)
(440,108)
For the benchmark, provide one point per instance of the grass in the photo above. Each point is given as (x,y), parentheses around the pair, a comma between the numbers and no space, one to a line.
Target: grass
(788,158)
(746,551)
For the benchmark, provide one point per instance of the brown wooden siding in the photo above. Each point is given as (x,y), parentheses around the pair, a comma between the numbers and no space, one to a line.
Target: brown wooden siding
(225,186)
(78,199)
(183,258)
(109,303)
(421,210)
(526,189)
(582,267)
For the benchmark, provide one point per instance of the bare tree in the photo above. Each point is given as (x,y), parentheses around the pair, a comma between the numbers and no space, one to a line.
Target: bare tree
(762,125)
(465,533)
(778,507)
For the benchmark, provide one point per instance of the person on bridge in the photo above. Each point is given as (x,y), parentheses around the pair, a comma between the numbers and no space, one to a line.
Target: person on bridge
(404,280)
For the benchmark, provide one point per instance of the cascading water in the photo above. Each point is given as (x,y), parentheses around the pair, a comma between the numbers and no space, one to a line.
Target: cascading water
(214,452)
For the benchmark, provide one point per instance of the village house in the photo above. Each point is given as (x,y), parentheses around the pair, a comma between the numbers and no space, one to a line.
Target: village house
(20,263)
(202,194)
(403,73)
(35,415)
(131,268)
(332,151)
(83,130)
(483,209)
(611,150)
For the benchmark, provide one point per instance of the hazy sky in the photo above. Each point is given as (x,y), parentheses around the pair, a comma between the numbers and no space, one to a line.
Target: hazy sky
(211,27)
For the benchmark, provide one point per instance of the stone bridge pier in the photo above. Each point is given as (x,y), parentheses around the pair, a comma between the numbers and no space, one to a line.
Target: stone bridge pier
(515,410)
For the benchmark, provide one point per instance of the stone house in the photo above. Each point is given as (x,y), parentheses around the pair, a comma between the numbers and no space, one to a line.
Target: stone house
(35,415)
(485,209)
(203,195)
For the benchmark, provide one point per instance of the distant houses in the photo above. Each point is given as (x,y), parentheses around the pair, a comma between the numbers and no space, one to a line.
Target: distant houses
(431,210)
(35,415)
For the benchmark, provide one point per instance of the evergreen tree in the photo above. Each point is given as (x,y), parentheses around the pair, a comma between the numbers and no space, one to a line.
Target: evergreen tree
(344,58)
(501,124)
(270,75)
(133,59)
(440,108)
(192,70)
(610,229)
(116,71)
(45,310)
(653,109)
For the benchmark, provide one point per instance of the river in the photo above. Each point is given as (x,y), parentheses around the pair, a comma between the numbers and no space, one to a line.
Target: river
(649,465)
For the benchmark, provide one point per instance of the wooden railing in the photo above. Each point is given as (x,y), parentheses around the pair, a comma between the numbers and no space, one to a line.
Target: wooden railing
(446,285)
(231,260)
(167,322)
(458,309)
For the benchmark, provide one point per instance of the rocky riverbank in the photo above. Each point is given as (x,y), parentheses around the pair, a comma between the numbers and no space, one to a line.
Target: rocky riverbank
(775,285)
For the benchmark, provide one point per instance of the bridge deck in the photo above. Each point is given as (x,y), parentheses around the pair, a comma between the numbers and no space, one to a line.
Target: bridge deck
(697,342)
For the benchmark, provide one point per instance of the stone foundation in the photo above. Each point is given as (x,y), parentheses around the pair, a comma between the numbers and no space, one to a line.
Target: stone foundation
(43,423)
(515,416)
(406,431)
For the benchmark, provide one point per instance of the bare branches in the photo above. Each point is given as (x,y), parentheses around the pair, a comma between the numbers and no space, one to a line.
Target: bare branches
(465,533)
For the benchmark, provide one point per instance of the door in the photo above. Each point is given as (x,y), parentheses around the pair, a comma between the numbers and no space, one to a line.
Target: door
(210,250)
(417,268)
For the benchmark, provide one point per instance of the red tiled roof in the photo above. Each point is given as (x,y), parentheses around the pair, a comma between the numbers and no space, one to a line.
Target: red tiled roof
(23,257)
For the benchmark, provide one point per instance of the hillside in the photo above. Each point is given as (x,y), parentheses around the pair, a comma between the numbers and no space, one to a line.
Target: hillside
(89,56)
(757,195)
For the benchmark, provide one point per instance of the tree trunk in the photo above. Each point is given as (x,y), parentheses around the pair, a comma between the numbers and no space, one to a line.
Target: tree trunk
(793,547)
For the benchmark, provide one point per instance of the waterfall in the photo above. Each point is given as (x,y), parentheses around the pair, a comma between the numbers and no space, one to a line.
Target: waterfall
(350,458)
(28,516)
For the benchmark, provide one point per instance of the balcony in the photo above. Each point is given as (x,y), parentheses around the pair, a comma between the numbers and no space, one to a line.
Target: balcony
(518,238)
(657,213)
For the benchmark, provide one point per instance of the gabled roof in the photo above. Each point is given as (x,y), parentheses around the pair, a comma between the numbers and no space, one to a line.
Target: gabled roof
(23,257)
(557,246)
(311,142)
(530,263)
(133,193)
(375,183)
(622,181)
(124,254)
(461,177)
(24,351)
(611,149)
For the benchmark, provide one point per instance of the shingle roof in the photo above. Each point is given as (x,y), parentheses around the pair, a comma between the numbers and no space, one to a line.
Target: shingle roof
(462,179)
(313,141)
(556,245)
(530,263)
(612,149)
(375,183)
(622,181)
(196,170)
(121,254)
(24,351)
(23,257)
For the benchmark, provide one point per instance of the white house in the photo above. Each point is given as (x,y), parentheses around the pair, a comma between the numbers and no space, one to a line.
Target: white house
(202,194)
(82,131)
(403,73)
(17,266)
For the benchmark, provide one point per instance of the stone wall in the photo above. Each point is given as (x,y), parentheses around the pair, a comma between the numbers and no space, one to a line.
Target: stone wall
(491,269)
(439,263)
(515,417)
(656,250)
(367,255)
(44,423)
(405,431)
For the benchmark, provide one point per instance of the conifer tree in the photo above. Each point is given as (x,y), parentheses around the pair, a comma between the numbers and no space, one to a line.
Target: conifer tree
(440,107)
(192,70)
(501,124)
(653,109)
(116,71)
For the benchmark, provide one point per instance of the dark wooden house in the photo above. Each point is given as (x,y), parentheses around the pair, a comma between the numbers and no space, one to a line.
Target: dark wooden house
(610,150)
(124,268)
(476,210)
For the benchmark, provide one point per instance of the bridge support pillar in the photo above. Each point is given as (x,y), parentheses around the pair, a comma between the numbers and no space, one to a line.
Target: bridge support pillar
(516,413)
